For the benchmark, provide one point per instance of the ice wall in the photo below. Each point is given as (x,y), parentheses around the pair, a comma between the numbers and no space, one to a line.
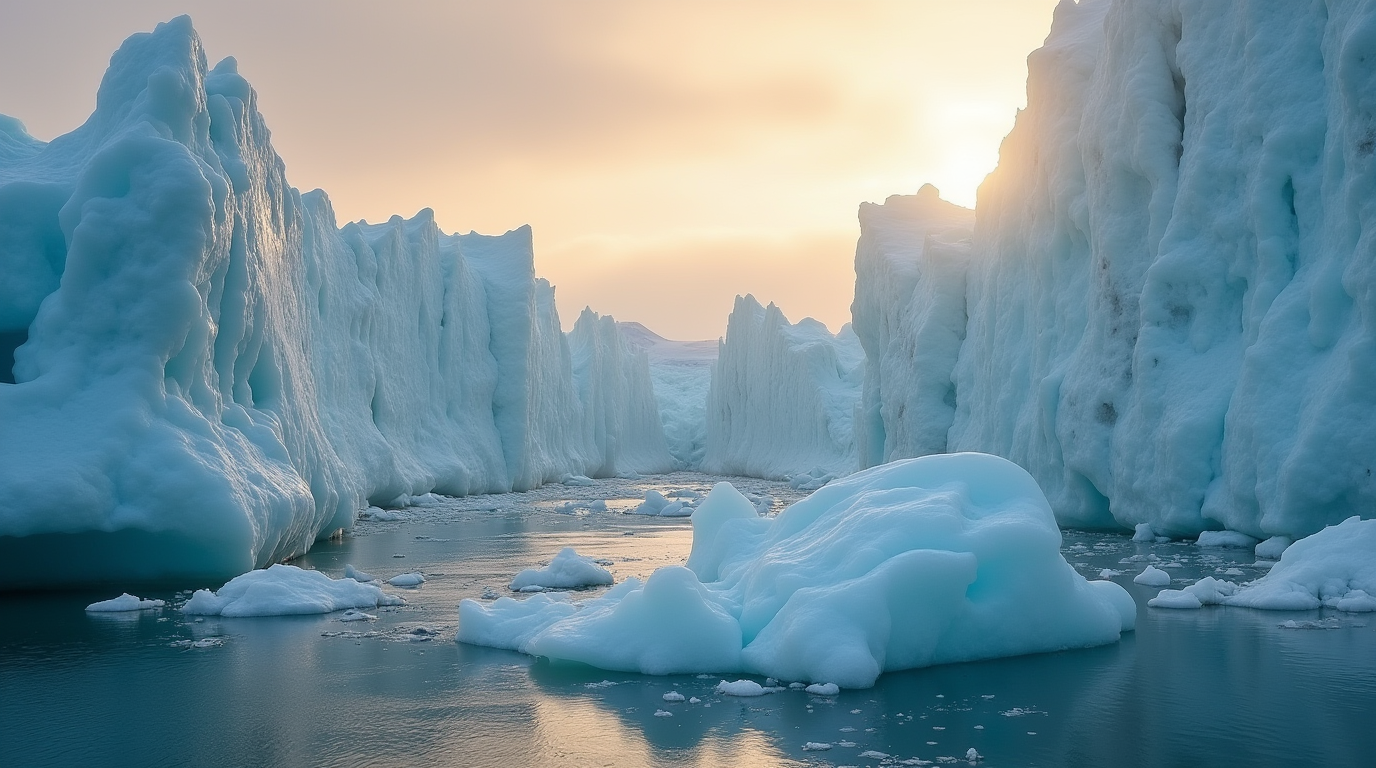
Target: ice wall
(681,372)
(783,396)
(1171,293)
(208,374)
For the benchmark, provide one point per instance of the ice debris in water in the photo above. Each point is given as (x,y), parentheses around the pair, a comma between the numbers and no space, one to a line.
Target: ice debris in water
(351,572)
(1152,576)
(1334,568)
(378,514)
(580,481)
(1273,548)
(125,602)
(824,689)
(655,504)
(663,713)
(874,754)
(282,590)
(742,688)
(568,570)
(673,696)
(407,580)
(817,746)
(841,586)
(205,642)
(353,614)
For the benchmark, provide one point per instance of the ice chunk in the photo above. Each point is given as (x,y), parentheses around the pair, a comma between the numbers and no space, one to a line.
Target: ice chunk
(1335,567)
(125,602)
(577,480)
(1272,548)
(663,713)
(1143,532)
(824,689)
(742,688)
(925,561)
(568,570)
(407,580)
(816,746)
(1231,539)
(282,590)
(673,696)
(353,573)
(353,614)
(1152,576)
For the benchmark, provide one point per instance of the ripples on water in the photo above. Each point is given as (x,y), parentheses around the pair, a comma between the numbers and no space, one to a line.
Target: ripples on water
(1216,687)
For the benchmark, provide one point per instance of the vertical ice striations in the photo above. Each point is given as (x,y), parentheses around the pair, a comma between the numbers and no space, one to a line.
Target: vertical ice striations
(1171,294)
(909,315)
(782,398)
(207,374)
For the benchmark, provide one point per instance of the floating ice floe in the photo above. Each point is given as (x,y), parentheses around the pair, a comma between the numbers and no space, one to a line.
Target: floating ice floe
(1272,548)
(125,602)
(407,580)
(655,504)
(673,696)
(1334,568)
(925,561)
(1229,539)
(568,570)
(1152,576)
(282,590)
(744,688)
(823,689)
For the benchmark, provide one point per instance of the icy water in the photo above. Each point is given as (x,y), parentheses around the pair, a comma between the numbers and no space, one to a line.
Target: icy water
(1217,687)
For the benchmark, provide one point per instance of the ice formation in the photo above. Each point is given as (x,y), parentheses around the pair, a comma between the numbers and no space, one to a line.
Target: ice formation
(1334,568)
(682,374)
(1168,310)
(657,505)
(783,395)
(209,374)
(568,570)
(285,590)
(1151,576)
(926,561)
(125,602)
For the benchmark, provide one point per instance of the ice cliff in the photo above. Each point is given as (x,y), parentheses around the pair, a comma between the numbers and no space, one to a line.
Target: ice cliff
(1169,299)
(782,397)
(201,373)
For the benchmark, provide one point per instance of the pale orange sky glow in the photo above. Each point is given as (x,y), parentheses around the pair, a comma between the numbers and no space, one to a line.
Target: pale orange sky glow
(668,155)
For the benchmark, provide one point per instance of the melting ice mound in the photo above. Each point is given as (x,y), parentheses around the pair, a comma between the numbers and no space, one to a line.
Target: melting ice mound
(285,590)
(926,561)
(1334,568)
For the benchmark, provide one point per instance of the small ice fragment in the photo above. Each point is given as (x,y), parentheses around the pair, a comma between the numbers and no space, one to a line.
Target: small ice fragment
(353,614)
(797,686)
(874,754)
(1143,532)
(817,746)
(770,682)
(531,588)
(742,688)
(351,572)
(972,755)
(694,700)
(855,711)
(1109,573)
(1272,548)
(663,713)
(848,729)
(823,689)
(1152,576)
(407,580)
(979,727)
(673,696)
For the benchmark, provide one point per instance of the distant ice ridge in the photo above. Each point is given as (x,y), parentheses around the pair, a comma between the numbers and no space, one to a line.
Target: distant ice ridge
(212,374)
(1170,297)
(783,396)
(925,561)
(682,374)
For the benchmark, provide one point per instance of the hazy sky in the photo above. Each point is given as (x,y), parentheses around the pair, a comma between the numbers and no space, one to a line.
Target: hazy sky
(668,154)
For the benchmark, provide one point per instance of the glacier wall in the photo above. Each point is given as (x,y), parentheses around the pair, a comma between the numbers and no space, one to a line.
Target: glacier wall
(783,396)
(1171,289)
(203,373)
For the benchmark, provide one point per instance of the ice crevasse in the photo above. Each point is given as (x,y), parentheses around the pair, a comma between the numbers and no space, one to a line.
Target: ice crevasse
(1165,305)
(201,372)
(924,561)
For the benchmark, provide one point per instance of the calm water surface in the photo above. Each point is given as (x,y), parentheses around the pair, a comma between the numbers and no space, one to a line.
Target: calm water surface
(1217,687)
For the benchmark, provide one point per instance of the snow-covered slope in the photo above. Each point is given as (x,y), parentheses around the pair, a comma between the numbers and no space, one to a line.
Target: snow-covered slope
(783,396)
(1171,294)
(210,374)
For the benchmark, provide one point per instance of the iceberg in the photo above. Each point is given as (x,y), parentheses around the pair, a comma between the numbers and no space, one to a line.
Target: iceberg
(1165,309)
(285,590)
(568,570)
(924,561)
(202,373)
(782,396)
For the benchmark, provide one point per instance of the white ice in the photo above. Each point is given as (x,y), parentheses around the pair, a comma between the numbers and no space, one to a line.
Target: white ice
(125,602)
(1152,576)
(568,570)
(283,590)
(407,580)
(926,561)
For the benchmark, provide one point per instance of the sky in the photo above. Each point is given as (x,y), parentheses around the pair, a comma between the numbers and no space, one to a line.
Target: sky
(669,155)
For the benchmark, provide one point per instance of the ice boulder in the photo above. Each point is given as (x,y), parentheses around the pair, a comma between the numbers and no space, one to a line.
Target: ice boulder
(284,590)
(568,570)
(926,561)
(1151,576)
(1228,539)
